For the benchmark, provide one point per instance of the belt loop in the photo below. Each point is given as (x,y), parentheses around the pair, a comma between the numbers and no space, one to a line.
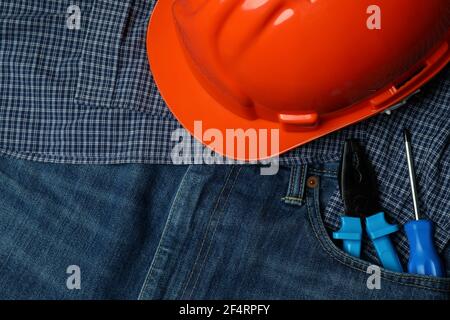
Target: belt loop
(296,187)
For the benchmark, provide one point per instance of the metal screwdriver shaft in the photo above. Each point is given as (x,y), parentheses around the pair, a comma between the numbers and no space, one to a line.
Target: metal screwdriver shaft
(412,173)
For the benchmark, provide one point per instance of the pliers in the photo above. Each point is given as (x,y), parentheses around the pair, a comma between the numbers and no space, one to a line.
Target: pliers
(359,194)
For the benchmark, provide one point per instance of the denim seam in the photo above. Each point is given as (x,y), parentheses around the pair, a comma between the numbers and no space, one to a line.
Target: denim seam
(158,250)
(291,181)
(303,172)
(296,188)
(312,212)
(292,200)
(405,276)
(214,232)
(324,171)
(206,233)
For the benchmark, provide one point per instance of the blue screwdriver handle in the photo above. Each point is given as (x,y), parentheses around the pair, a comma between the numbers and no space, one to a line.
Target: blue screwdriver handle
(423,257)
(379,230)
(351,233)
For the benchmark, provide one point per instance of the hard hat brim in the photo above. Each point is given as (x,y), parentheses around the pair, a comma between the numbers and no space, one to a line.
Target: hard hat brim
(189,101)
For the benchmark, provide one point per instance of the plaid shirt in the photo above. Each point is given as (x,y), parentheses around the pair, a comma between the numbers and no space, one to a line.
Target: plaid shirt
(86,95)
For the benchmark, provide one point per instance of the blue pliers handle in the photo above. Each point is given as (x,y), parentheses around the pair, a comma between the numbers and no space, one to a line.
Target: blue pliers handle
(378,230)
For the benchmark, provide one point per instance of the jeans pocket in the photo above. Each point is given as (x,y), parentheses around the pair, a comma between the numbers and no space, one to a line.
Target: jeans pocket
(359,265)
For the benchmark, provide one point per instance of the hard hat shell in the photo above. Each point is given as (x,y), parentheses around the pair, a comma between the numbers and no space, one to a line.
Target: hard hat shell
(304,67)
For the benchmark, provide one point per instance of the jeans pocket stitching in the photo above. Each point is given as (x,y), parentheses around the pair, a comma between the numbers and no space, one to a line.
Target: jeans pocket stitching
(146,289)
(342,258)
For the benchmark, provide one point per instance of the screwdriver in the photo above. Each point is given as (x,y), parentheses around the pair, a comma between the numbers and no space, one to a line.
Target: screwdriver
(423,256)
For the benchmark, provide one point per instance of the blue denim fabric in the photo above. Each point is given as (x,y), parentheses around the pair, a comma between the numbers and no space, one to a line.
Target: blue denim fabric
(105,219)
(179,232)
(87,96)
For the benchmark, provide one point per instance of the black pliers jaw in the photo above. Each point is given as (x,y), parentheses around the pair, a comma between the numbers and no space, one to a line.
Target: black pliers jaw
(356,182)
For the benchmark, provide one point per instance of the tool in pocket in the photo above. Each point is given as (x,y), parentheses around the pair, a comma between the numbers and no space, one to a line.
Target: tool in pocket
(423,256)
(359,193)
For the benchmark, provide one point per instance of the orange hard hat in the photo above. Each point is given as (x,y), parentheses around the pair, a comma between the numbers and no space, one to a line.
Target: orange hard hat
(303,68)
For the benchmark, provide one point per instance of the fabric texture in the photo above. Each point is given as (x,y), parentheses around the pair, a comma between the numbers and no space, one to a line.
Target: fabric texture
(138,231)
(87,97)
(428,117)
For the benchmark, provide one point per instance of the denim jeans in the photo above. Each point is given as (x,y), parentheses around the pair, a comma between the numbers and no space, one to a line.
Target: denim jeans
(180,232)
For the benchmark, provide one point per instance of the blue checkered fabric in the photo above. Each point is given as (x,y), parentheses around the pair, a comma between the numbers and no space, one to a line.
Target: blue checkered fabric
(428,117)
(86,96)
